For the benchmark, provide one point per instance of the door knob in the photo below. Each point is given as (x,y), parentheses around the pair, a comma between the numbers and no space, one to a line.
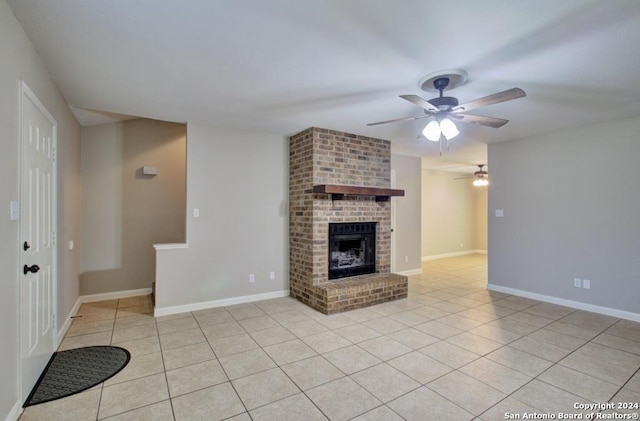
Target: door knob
(33,269)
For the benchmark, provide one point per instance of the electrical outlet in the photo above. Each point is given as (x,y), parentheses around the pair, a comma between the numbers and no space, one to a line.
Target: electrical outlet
(577,282)
(406,259)
(252,278)
(461,245)
(586,284)
(272,275)
(196,212)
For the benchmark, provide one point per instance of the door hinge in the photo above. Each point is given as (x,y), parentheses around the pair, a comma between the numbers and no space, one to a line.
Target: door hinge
(53,238)
(53,321)
(53,154)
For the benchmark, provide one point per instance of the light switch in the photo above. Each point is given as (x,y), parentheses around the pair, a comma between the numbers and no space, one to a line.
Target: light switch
(196,213)
(499,213)
(14,210)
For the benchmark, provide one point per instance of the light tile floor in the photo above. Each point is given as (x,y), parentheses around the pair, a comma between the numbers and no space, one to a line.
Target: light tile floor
(451,351)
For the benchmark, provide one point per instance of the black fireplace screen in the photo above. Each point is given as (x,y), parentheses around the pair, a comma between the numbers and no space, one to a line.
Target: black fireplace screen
(352,249)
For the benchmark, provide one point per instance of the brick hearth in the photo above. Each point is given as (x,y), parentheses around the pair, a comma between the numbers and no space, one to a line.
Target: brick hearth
(320,156)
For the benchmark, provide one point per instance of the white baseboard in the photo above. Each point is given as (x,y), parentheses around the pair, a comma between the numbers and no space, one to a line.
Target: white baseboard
(607,311)
(67,323)
(114,295)
(15,412)
(445,255)
(165,311)
(479,251)
(410,272)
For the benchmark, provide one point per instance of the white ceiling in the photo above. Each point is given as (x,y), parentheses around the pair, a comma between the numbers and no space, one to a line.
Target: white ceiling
(284,65)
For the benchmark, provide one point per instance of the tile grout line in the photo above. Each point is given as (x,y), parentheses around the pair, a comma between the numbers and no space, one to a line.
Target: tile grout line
(623,386)
(223,370)
(317,355)
(281,370)
(503,345)
(103,386)
(164,368)
(442,286)
(113,326)
(556,363)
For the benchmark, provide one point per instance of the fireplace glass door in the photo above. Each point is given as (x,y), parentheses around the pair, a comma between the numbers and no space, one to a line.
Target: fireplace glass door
(352,249)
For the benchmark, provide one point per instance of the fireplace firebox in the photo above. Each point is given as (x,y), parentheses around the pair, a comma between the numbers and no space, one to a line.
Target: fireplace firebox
(352,249)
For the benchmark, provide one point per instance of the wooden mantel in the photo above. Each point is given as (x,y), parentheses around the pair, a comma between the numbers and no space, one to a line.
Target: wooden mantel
(337,192)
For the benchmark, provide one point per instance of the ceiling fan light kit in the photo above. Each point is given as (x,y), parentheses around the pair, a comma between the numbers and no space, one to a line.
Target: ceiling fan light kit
(482,177)
(432,131)
(444,127)
(480,182)
(443,108)
(449,130)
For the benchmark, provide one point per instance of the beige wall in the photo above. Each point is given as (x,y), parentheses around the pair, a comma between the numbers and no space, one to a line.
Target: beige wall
(481,208)
(19,61)
(125,212)
(571,203)
(407,229)
(101,168)
(453,214)
(239,182)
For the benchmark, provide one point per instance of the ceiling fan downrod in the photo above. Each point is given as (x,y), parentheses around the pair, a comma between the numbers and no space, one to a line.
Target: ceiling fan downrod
(443,103)
(441,84)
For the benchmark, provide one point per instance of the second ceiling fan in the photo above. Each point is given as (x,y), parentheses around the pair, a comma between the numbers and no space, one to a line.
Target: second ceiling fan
(445,109)
(480,177)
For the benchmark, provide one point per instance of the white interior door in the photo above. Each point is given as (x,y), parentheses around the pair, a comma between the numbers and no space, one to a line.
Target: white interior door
(37,244)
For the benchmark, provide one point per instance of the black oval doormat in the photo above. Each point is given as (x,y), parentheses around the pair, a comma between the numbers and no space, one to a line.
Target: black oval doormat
(72,371)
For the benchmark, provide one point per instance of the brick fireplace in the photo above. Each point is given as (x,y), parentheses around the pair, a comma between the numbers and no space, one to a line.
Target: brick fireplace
(321,159)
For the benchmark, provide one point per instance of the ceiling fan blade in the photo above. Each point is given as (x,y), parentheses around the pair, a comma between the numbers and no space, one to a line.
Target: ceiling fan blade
(482,120)
(503,96)
(420,102)
(397,119)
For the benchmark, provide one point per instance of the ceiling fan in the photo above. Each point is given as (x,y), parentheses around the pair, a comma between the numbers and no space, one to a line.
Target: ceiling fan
(480,177)
(445,109)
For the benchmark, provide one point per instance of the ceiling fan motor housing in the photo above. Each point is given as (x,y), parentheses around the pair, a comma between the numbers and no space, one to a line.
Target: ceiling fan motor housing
(481,173)
(444,103)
